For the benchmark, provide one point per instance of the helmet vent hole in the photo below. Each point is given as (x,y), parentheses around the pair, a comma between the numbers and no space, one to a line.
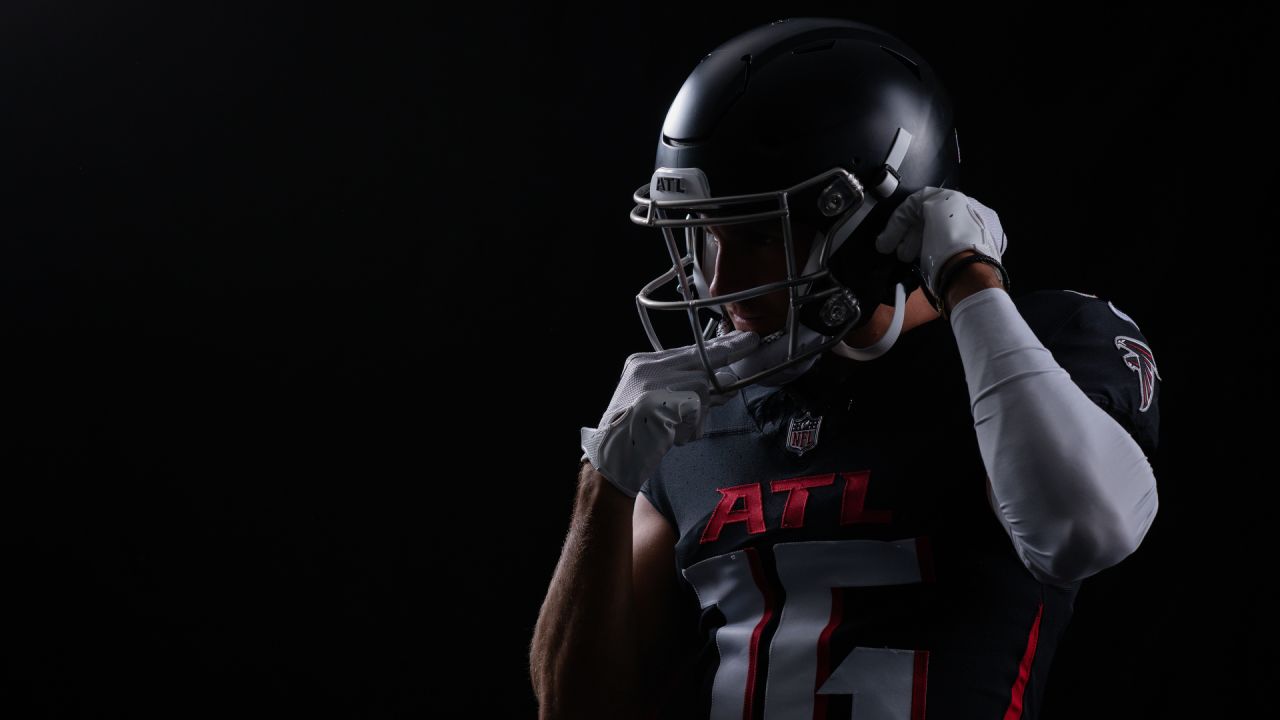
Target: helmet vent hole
(906,61)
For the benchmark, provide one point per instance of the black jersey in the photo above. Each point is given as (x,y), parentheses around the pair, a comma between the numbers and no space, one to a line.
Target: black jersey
(837,554)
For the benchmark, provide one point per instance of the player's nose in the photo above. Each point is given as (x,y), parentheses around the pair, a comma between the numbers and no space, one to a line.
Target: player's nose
(732,272)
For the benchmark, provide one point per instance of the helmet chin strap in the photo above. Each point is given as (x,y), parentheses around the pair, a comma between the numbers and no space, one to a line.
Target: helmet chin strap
(882,345)
(774,350)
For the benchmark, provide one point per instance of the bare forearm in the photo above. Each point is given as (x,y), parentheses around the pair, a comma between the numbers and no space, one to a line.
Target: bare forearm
(583,660)
(970,280)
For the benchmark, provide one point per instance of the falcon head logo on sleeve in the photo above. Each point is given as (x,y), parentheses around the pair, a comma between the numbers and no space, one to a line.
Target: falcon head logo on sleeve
(1140,360)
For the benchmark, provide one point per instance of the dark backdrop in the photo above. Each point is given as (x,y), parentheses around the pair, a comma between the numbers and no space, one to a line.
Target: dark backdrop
(302,308)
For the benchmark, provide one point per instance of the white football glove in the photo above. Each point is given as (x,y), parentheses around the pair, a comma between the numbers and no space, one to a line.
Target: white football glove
(935,224)
(659,403)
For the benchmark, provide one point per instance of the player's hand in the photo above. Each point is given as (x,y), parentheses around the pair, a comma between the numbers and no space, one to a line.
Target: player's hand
(659,403)
(936,224)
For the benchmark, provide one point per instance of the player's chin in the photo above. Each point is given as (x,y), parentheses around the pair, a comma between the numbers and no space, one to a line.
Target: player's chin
(759,325)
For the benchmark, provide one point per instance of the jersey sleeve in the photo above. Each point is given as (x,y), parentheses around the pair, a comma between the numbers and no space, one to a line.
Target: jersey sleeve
(654,491)
(1107,356)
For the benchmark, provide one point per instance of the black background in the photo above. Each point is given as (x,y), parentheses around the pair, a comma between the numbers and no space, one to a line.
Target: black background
(302,308)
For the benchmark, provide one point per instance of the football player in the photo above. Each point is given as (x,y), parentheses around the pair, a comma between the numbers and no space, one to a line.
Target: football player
(873,483)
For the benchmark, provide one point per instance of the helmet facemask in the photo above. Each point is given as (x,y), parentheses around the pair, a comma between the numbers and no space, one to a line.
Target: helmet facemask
(821,310)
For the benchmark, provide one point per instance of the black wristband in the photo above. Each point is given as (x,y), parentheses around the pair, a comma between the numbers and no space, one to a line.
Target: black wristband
(953,271)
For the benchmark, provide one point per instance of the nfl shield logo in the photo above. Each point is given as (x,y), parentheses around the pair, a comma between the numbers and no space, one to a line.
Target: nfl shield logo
(803,435)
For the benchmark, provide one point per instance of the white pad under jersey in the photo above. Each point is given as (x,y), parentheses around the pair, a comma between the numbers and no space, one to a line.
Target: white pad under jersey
(1070,485)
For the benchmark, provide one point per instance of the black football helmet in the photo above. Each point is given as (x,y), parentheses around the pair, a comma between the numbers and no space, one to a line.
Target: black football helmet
(809,122)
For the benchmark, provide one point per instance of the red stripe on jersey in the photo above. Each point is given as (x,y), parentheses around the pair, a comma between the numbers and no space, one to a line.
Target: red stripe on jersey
(1024,669)
(919,676)
(924,556)
(824,651)
(757,574)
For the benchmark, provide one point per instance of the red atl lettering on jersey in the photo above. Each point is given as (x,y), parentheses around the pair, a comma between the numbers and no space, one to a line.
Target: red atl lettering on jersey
(855,496)
(752,513)
(797,490)
(852,503)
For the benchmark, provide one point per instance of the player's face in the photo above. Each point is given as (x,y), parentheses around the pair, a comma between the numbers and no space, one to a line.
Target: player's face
(752,254)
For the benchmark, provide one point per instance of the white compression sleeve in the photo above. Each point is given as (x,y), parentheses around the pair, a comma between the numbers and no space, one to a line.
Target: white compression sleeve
(1073,490)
